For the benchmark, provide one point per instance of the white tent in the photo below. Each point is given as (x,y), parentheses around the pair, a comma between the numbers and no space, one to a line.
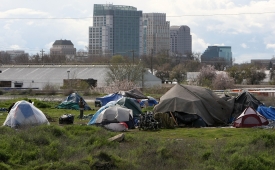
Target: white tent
(114,114)
(24,113)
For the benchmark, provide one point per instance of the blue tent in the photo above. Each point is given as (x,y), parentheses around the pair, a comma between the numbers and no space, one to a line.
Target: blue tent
(267,112)
(110,97)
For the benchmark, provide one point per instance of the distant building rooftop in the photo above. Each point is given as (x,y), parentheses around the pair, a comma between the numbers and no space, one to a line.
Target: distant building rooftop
(63,42)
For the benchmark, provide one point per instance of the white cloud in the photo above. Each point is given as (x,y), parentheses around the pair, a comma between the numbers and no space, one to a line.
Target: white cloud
(15,47)
(222,44)
(270,46)
(198,44)
(244,45)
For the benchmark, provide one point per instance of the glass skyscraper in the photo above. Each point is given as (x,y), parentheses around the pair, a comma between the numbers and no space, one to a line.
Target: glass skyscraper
(116,30)
(217,54)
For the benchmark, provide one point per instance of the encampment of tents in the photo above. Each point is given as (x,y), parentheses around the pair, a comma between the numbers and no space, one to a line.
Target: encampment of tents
(110,97)
(196,100)
(71,102)
(24,113)
(132,104)
(250,118)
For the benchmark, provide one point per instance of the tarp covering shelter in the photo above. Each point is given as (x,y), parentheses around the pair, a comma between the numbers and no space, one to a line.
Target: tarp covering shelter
(71,102)
(24,113)
(250,118)
(134,93)
(244,100)
(196,100)
(110,97)
(130,104)
(267,112)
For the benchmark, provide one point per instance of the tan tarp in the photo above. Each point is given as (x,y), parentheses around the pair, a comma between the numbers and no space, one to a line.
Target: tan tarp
(196,100)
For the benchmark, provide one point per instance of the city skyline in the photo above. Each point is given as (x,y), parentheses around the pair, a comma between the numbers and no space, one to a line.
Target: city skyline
(246,26)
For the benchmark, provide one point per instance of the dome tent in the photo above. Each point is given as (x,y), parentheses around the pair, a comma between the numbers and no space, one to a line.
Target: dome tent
(71,102)
(24,113)
(250,118)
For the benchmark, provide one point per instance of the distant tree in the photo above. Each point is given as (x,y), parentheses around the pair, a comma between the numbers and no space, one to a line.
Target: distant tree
(124,72)
(5,58)
(222,81)
(116,59)
(178,72)
(251,73)
(22,59)
(206,76)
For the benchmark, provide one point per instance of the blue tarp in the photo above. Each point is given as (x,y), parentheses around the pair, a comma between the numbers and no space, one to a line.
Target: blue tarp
(267,112)
(110,97)
(151,102)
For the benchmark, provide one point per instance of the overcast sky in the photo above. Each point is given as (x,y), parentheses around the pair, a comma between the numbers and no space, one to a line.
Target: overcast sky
(247,26)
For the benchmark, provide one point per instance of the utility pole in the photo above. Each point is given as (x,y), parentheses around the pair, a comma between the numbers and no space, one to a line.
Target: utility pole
(133,51)
(42,55)
(152,61)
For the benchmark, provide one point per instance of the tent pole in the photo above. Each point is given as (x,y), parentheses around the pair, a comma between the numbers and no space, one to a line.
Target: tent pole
(174,118)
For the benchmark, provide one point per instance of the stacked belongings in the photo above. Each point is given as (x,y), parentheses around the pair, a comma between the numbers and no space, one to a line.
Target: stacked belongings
(148,122)
(66,119)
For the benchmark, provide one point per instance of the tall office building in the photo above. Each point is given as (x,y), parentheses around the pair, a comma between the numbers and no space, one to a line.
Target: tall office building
(116,30)
(156,33)
(215,54)
(181,40)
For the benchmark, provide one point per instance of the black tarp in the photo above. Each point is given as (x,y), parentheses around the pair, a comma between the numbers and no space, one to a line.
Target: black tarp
(134,93)
(196,100)
(244,100)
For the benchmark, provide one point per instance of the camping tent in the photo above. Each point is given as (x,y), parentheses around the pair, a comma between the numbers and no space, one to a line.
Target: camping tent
(267,112)
(250,118)
(24,113)
(110,97)
(71,102)
(244,100)
(112,114)
(196,100)
(134,93)
(130,104)
(93,119)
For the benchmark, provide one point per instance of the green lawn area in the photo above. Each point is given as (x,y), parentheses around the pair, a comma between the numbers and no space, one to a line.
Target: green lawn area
(79,146)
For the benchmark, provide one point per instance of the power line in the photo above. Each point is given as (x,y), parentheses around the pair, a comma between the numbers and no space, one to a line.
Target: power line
(187,15)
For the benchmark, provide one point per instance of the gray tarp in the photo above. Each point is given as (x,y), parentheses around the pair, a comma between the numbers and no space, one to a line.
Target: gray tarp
(196,100)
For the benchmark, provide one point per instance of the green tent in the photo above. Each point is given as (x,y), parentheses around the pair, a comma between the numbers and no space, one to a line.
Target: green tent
(130,104)
(71,102)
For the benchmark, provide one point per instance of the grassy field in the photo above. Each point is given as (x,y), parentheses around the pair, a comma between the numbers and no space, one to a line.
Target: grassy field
(79,146)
